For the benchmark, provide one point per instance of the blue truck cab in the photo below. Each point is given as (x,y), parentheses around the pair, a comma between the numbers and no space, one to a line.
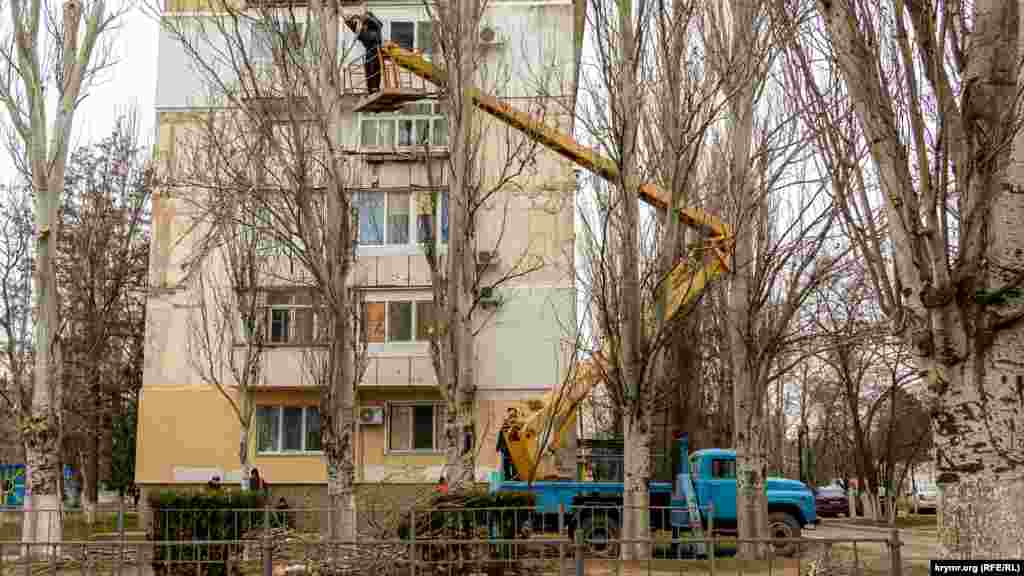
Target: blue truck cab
(712,475)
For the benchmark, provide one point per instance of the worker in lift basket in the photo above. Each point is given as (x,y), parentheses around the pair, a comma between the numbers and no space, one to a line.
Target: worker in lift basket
(368,30)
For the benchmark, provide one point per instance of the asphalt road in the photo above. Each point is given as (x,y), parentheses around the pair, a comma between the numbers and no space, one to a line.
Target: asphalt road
(919,544)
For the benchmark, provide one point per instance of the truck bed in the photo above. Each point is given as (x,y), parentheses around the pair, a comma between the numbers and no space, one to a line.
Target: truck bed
(551,494)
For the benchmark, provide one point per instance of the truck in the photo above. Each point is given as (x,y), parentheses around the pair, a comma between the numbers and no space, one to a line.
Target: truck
(704,486)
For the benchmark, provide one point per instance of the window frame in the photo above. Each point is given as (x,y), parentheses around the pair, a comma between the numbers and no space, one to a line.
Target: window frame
(440,215)
(279,440)
(417,42)
(723,465)
(386,300)
(290,18)
(433,117)
(266,308)
(437,449)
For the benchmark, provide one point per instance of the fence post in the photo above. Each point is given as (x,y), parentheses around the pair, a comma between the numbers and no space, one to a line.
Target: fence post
(120,531)
(412,545)
(562,534)
(578,553)
(896,568)
(711,534)
(268,560)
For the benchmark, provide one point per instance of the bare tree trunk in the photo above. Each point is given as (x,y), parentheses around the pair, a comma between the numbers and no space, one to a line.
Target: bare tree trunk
(637,418)
(91,474)
(780,429)
(750,434)
(42,430)
(246,410)
(340,383)
(459,350)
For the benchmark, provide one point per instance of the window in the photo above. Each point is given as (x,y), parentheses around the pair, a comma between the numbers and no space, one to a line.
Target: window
(385,218)
(404,34)
(413,35)
(723,469)
(424,319)
(414,124)
(267,34)
(287,429)
(290,317)
(416,427)
(398,321)
(257,233)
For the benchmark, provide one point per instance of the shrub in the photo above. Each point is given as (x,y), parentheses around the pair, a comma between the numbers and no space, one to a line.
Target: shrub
(182,517)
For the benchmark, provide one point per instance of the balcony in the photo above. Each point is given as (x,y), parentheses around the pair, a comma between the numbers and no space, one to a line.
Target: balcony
(398,371)
(270,90)
(266,4)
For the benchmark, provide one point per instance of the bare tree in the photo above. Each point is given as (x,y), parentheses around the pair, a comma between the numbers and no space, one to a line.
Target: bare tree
(478,180)
(633,266)
(16,316)
(102,268)
(923,121)
(621,30)
(850,326)
(66,56)
(782,215)
(279,139)
(902,438)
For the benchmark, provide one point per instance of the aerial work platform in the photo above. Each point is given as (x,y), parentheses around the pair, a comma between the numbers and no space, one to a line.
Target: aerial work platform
(398,87)
(388,88)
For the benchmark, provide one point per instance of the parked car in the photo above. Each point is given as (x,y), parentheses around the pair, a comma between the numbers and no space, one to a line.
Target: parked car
(831,501)
(927,498)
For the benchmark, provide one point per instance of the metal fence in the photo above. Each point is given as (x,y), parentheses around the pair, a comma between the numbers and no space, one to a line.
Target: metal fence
(464,541)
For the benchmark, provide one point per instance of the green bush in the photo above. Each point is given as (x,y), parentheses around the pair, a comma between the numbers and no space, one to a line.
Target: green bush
(182,517)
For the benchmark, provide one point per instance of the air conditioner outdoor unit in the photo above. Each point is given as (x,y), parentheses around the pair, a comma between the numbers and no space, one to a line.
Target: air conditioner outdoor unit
(491,35)
(489,297)
(371,415)
(485,259)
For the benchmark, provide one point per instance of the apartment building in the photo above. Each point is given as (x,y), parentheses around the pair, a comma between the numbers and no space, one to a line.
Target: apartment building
(188,432)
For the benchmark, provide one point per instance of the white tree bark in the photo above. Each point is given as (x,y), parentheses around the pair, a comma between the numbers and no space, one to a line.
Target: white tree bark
(637,413)
(945,296)
(751,430)
(459,350)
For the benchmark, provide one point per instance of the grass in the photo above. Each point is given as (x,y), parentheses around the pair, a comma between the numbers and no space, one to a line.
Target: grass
(904,521)
(75,526)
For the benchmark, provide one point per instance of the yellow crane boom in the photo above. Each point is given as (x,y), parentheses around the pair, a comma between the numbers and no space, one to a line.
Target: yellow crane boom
(527,434)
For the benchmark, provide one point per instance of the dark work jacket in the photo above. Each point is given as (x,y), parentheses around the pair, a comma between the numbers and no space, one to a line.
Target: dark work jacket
(370,37)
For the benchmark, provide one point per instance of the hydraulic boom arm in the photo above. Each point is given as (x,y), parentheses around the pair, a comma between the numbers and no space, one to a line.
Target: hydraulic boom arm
(527,435)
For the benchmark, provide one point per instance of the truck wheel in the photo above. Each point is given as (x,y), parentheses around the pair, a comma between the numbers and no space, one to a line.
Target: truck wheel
(784,525)
(600,536)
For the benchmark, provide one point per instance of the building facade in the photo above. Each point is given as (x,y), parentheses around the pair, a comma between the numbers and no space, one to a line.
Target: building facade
(188,432)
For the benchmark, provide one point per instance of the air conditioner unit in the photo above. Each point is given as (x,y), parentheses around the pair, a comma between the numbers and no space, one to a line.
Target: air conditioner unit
(489,297)
(371,415)
(485,259)
(491,35)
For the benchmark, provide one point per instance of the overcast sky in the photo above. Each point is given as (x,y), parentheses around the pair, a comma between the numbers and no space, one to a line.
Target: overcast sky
(131,82)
